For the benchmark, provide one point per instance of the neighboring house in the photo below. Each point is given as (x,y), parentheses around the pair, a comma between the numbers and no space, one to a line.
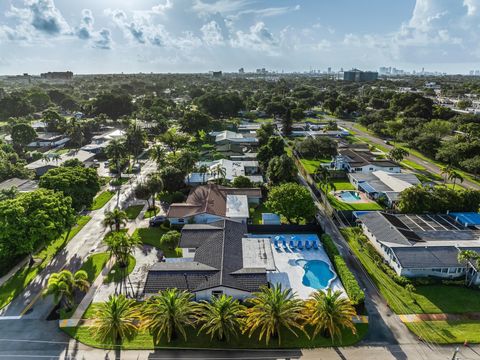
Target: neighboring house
(22,185)
(209,203)
(48,140)
(380,183)
(422,245)
(249,128)
(100,142)
(357,160)
(231,169)
(219,259)
(41,166)
(230,137)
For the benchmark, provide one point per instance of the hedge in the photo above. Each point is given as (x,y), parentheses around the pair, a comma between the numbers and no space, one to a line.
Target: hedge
(354,292)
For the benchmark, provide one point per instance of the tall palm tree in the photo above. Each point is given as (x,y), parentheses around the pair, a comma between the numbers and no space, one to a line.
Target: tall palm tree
(455,176)
(116,319)
(121,245)
(324,178)
(329,313)
(203,169)
(158,154)
(219,172)
(116,151)
(446,171)
(273,309)
(187,160)
(155,185)
(62,286)
(136,139)
(168,314)
(221,317)
(466,257)
(115,218)
(55,157)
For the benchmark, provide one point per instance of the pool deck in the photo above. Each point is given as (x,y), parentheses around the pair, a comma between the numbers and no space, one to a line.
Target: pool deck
(363,197)
(289,274)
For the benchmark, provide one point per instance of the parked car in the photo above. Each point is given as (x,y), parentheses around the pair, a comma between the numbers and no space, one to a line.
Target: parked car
(157,220)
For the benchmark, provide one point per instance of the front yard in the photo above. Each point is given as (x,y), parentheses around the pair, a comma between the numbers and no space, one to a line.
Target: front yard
(101,199)
(151,236)
(427,299)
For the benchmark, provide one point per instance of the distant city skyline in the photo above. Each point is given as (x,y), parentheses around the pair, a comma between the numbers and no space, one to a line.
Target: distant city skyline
(107,36)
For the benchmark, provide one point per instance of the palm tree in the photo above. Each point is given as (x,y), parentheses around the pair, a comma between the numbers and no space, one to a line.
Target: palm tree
(273,309)
(466,257)
(220,317)
(158,154)
(446,171)
(55,157)
(155,185)
(135,139)
(203,169)
(323,176)
(329,313)
(168,313)
(116,151)
(116,217)
(121,245)
(187,160)
(63,284)
(455,176)
(116,319)
(219,172)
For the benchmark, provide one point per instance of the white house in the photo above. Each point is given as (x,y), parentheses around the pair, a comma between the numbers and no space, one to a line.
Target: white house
(41,166)
(422,245)
(354,160)
(225,169)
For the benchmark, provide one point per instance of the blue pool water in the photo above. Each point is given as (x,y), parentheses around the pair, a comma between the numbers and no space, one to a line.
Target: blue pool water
(349,196)
(317,273)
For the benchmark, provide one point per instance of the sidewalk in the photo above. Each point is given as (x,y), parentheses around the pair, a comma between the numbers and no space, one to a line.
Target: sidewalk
(87,299)
(408,318)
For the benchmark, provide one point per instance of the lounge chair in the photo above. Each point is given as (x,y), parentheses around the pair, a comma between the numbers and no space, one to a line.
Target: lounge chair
(284,244)
(275,243)
(292,244)
(307,245)
(315,245)
(300,244)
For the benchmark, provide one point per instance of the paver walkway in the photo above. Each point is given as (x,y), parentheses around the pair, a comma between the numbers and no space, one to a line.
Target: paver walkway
(439,317)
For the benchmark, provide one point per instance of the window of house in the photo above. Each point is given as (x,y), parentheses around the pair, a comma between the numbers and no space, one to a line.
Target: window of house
(217,293)
(191,250)
(181,220)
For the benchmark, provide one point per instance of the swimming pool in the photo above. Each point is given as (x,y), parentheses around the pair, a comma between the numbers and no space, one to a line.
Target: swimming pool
(318,273)
(349,196)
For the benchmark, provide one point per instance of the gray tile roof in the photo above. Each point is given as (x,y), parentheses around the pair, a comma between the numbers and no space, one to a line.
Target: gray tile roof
(428,257)
(383,229)
(218,261)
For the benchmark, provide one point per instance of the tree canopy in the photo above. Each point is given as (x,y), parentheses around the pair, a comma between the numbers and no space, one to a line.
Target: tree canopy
(293,201)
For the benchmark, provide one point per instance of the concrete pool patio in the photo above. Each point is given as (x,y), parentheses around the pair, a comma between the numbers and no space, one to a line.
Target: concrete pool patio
(288,272)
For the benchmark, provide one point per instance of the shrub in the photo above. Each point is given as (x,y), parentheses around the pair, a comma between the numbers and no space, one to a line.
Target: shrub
(354,292)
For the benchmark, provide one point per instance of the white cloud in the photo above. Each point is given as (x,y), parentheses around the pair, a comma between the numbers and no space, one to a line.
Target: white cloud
(258,38)
(212,33)
(219,7)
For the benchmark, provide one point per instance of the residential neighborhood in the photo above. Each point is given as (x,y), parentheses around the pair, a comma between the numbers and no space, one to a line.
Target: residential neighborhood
(206,179)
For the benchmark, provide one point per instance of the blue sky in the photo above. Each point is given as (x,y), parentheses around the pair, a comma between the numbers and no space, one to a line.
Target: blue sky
(107,36)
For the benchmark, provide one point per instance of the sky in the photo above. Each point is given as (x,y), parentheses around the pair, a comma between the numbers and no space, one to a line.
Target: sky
(131,36)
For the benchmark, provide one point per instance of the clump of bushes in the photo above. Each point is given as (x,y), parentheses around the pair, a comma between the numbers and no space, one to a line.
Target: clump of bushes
(354,292)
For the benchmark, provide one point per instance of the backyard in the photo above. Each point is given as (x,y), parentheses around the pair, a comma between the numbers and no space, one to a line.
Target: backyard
(151,236)
(341,205)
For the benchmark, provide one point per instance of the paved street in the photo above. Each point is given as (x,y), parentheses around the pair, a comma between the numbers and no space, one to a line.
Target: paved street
(72,256)
(375,140)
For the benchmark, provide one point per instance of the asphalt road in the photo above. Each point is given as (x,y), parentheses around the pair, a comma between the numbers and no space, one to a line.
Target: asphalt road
(87,241)
(427,165)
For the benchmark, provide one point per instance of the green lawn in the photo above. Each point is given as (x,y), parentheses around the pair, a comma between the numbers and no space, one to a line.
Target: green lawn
(144,340)
(312,165)
(429,299)
(115,275)
(151,236)
(447,332)
(343,184)
(133,211)
(26,274)
(413,165)
(150,212)
(340,205)
(94,265)
(101,199)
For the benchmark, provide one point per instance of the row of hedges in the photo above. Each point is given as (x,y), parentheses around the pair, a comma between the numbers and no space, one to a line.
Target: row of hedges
(354,292)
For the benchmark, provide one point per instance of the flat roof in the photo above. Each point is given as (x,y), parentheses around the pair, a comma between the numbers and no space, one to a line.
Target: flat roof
(257,253)
(237,206)
(467,218)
